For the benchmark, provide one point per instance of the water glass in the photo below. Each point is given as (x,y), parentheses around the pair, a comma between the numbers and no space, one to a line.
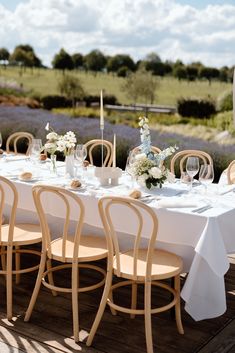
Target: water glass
(206,175)
(79,156)
(192,168)
(35,149)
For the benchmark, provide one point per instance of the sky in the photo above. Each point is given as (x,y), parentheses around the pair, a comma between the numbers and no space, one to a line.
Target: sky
(196,30)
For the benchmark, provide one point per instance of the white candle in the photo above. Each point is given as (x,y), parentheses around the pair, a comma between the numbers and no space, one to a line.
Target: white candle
(101,111)
(234,97)
(114,151)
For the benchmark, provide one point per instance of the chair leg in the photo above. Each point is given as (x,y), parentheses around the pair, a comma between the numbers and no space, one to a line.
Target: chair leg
(102,306)
(113,311)
(50,277)
(177,306)
(75,301)
(17,261)
(147,317)
(9,282)
(3,258)
(133,297)
(37,287)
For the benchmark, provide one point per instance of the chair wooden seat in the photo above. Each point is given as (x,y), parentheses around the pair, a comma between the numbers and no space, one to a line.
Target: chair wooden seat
(24,234)
(90,248)
(164,265)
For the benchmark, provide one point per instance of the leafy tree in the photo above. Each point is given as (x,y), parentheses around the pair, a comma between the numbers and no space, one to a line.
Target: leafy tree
(192,72)
(62,61)
(95,60)
(77,60)
(151,60)
(120,60)
(123,71)
(180,72)
(24,55)
(209,73)
(71,87)
(224,74)
(4,54)
(141,84)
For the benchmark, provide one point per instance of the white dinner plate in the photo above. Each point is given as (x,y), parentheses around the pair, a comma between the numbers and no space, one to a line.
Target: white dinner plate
(80,188)
(32,180)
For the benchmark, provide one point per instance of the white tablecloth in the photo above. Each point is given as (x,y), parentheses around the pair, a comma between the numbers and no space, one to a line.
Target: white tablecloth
(203,240)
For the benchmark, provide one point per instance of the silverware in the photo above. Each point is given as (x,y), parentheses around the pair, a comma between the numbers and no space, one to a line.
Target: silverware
(202,209)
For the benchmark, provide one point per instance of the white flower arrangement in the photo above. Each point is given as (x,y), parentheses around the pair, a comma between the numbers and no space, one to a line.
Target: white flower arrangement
(148,167)
(61,143)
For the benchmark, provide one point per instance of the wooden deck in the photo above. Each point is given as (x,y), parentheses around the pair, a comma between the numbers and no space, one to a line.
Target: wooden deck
(50,328)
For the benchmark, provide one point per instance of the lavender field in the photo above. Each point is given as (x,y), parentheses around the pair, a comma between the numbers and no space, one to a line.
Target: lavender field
(34,120)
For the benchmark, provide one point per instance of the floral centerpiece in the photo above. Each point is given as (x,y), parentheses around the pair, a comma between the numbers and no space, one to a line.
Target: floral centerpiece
(148,167)
(59,143)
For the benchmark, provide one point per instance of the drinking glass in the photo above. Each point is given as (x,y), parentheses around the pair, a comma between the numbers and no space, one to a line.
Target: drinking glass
(129,162)
(79,156)
(192,168)
(206,175)
(35,149)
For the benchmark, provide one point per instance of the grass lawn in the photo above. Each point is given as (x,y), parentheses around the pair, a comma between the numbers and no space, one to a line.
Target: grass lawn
(44,81)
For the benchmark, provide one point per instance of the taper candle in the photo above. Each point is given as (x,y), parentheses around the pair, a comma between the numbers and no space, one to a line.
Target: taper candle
(101,111)
(114,151)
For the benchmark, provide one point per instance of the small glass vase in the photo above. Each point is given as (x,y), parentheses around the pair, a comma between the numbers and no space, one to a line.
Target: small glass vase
(53,169)
(69,165)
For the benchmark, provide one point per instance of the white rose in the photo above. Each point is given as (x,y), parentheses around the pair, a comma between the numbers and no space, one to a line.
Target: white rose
(140,156)
(61,145)
(49,146)
(52,136)
(155,172)
(142,179)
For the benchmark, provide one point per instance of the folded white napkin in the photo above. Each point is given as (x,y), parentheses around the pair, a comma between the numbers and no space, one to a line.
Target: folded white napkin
(174,203)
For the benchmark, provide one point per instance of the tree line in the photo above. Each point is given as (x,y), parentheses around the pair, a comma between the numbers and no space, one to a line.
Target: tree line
(121,65)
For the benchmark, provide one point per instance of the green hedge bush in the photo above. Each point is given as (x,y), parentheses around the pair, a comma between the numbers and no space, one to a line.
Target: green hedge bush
(196,108)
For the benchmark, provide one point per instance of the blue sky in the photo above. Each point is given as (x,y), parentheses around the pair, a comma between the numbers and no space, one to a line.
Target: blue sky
(196,30)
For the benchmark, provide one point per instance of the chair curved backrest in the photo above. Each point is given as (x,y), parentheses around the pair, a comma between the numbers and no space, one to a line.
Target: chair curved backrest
(182,156)
(108,150)
(231,173)
(14,139)
(141,214)
(67,201)
(154,149)
(6,186)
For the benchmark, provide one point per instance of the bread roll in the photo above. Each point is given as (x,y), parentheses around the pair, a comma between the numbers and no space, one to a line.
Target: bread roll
(26,176)
(42,156)
(75,184)
(135,194)
(86,164)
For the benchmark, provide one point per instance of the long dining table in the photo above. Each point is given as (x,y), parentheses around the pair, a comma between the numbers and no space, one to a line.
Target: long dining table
(197,225)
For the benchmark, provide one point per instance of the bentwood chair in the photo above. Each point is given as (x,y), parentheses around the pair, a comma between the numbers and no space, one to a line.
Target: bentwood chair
(181,158)
(14,139)
(138,265)
(231,173)
(71,249)
(12,236)
(93,145)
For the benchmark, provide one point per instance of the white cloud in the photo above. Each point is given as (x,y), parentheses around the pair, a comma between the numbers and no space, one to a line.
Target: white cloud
(113,26)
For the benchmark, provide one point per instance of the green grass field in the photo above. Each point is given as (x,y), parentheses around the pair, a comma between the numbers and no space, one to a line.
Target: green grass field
(44,81)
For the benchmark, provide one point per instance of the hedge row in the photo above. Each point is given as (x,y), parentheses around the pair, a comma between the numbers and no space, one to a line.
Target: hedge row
(56,101)
(196,108)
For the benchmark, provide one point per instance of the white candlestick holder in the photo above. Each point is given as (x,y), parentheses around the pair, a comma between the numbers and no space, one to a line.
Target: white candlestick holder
(108,175)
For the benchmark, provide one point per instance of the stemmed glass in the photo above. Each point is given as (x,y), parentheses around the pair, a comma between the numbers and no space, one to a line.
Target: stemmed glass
(129,162)
(79,156)
(192,168)
(35,149)
(206,175)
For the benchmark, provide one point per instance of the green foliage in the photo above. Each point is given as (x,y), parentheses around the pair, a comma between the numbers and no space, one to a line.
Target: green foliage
(196,108)
(95,60)
(62,61)
(225,102)
(24,55)
(123,71)
(209,73)
(77,60)
(55,101)
(4,54)
(116,62)
(141,84)
(71,87)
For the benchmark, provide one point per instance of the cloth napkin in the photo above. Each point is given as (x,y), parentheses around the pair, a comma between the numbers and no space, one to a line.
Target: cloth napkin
(176,203)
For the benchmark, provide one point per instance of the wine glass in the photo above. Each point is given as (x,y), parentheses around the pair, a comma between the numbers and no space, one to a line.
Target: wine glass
(35,149)
(206,175)
(79,156)
(129,163)
(192,168)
